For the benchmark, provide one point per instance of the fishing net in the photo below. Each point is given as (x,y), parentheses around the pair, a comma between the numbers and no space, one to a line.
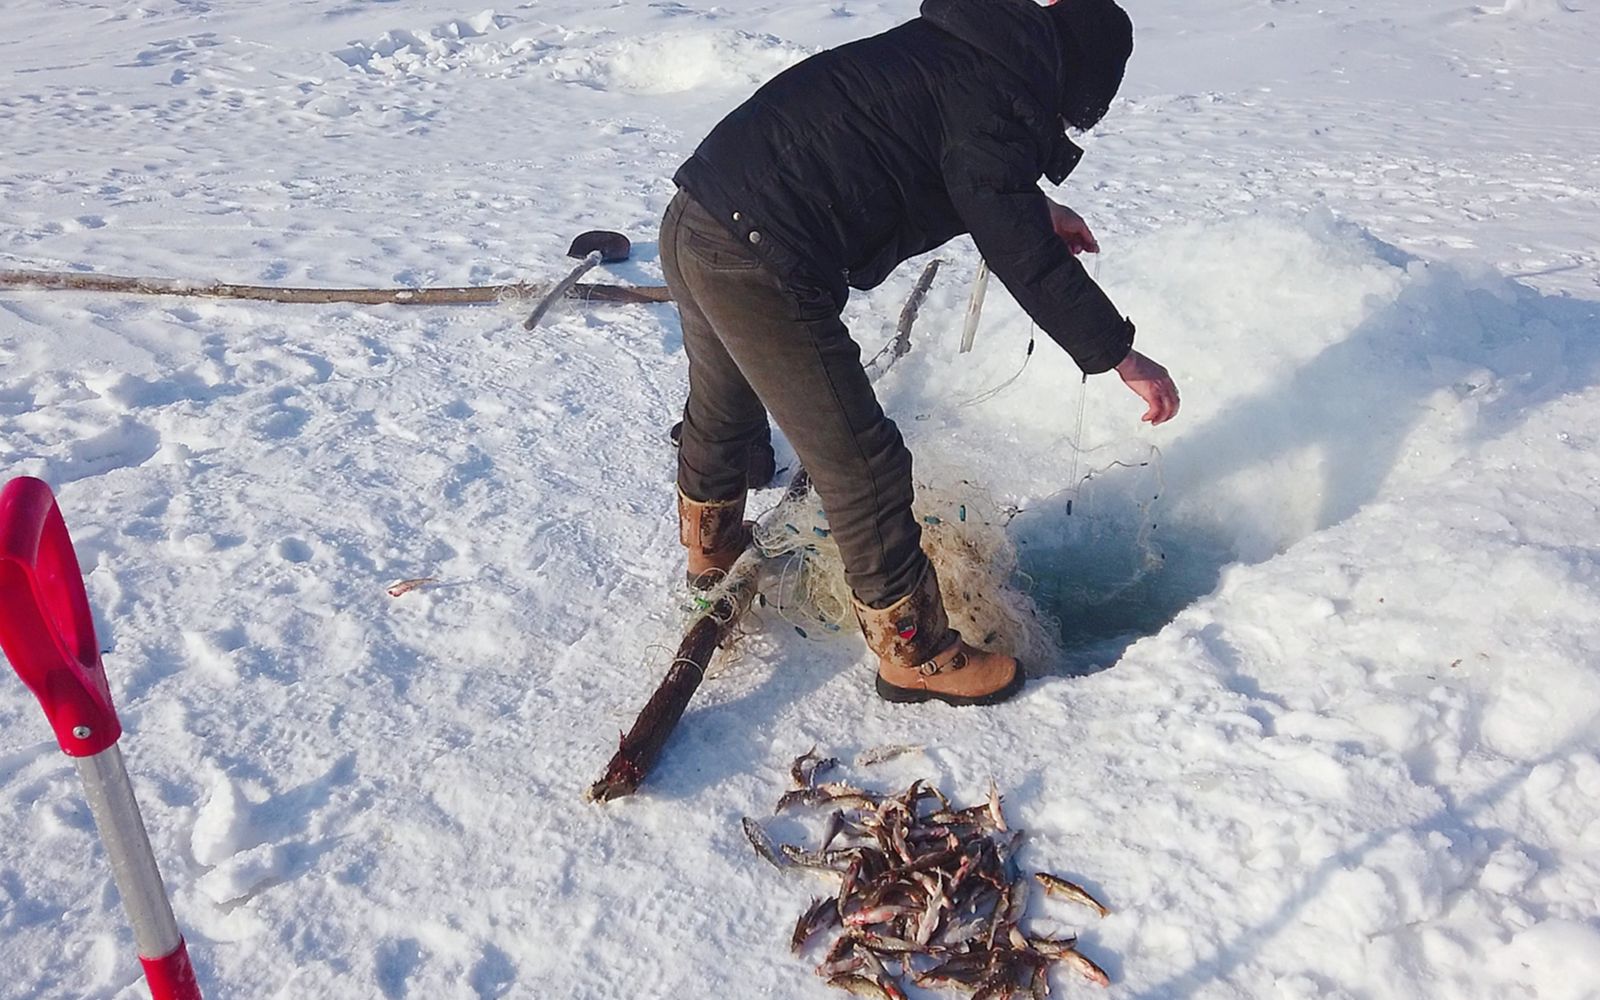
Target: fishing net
(963,533)
(1100,524)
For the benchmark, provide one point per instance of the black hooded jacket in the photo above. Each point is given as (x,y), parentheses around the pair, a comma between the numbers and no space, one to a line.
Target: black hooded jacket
(859,157)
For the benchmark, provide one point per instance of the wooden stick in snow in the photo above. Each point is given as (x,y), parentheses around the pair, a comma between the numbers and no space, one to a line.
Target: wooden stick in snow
(444,295)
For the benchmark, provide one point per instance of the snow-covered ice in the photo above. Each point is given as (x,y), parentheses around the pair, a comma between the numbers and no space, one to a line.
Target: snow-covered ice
(1343,743)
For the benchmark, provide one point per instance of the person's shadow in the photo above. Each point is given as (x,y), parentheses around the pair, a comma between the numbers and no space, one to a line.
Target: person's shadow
(1485,349)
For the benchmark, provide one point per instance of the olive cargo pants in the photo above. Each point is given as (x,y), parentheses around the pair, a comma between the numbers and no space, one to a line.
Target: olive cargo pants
(755,344)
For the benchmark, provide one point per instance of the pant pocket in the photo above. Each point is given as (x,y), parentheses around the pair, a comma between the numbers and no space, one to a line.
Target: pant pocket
(718,253)
(812,302)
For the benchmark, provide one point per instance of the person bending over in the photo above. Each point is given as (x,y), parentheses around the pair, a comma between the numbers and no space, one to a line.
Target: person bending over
(827,178)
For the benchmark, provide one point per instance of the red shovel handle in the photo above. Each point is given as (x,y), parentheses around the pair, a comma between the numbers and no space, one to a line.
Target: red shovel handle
(45,627)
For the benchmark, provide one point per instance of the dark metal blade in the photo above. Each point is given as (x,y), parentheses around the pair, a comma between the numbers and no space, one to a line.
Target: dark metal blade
(613,247)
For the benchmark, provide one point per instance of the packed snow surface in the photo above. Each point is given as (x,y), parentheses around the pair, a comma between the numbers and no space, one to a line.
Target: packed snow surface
(1325,718)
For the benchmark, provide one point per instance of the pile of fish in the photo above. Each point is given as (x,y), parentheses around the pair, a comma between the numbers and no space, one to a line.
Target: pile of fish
(928,892)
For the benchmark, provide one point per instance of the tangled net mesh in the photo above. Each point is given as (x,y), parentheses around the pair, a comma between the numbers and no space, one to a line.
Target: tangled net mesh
(963,533)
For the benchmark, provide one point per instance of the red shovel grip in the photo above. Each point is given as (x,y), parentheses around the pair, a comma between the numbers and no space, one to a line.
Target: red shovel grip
(45,627)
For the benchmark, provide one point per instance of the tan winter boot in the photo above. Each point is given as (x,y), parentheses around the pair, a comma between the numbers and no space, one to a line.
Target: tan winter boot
(715,533)
(922,658)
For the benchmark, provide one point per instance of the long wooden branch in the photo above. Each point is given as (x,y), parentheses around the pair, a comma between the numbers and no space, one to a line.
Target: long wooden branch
(444,295)
(641,746)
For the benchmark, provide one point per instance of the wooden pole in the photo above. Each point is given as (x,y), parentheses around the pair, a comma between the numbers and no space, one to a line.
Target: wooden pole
(443,295)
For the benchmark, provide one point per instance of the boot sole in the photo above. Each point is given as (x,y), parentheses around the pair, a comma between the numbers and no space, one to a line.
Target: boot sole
(913,696)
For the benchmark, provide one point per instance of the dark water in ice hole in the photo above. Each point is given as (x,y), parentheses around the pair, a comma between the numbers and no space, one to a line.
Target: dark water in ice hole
(1113,575)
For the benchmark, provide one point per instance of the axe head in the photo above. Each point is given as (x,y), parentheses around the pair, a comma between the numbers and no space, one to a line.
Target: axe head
(613,247)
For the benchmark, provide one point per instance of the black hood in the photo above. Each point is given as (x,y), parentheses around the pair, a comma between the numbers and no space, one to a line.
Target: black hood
(1016,33)
(1098,39)
(1070,55)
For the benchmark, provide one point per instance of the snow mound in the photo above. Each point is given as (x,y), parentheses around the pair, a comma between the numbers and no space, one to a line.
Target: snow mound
(221,828)
(662,63)
(403,52)
(240,875)
(674,62)
(1561,959)
(1532,9)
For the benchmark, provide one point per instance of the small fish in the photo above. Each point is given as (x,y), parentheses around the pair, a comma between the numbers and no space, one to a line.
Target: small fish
(1091,971)
(965,970)
(762,843)
(1056,886)
(875,915)
(838,789)
(818,915)
(840,959)
(803,796)
(861,986)
(977,899)
(969,928)
(833,793)
(932,884)
(407,586)
(833,829)
(1005,849)
(897,840)
(914,794)
(833,861)
(848,883)
(962,870)
(998,986)
(805,767)
(798,770)
(928,922)
(853,962)
(1018,904)
(874,966)
(1052,947)
(890,892)
(856,800)
(994,807)
(877,755)
(978,817)
(1039,983)
(885,944)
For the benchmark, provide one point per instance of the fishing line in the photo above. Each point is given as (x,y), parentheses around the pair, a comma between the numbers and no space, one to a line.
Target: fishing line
(1033,331)
(1077,433)
(990,393)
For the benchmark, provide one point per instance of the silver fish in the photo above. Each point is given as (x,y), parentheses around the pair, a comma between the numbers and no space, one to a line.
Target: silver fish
(994,807)
(818,915)
(833,861)
(1090,971)
(862,986)
(804,769)
(762,843)
(1057,886)
(1039,982)
(877,755)
(1052,947)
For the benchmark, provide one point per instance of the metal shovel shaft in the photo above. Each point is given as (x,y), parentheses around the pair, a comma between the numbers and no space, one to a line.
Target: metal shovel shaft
(167,969)
(133,865)
(592,260)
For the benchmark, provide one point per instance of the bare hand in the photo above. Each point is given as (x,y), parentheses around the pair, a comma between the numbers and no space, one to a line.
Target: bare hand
(1074,232)
(1152,384)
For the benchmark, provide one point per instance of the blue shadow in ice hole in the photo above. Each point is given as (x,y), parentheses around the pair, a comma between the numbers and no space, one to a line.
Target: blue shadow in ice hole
(1112,570)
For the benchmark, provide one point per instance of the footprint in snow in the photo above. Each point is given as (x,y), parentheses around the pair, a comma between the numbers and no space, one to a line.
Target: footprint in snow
(394,963)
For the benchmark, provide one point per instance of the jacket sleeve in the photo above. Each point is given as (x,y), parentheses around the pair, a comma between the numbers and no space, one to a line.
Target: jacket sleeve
(994,186)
